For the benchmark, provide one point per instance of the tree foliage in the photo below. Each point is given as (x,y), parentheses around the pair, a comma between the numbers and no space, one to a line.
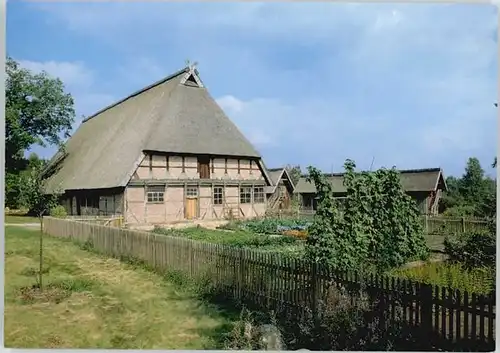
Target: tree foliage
(37,112)
(32,193)
(474,194)
(295,173)
(377,224)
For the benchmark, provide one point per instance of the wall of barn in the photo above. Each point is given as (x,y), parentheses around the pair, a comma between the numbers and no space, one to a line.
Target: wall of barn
(161,167)
(139,211)
(97,202)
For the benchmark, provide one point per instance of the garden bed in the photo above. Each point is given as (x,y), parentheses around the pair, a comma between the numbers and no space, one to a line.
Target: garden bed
(289,226)
(238,238)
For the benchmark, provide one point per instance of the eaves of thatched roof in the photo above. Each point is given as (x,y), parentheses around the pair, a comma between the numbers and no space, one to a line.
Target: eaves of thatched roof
(174,115)
(412,180)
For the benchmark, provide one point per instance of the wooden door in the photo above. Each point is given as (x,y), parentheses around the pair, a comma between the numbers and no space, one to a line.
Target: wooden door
(191,208)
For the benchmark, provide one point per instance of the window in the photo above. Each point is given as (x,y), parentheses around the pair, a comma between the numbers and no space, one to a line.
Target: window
(204,167)
(258,194)
(155,194)
(218,195)
(191,191)
(245,194)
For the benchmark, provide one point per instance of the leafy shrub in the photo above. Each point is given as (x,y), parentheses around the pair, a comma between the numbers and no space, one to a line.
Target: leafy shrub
(58,212)
(345,321)
(476,249)
(377,222)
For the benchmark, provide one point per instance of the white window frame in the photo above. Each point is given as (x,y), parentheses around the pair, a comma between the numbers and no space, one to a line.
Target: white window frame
(218,195)
(192,191)
(155,194)
(245,194)
(259,190)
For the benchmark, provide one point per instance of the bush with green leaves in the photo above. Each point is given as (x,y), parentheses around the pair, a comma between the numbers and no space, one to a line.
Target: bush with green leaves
(58,212)
(473,250)
(377,226)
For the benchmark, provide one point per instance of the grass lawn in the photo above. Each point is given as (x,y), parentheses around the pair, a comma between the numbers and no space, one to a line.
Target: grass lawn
(91,301)
(18,219)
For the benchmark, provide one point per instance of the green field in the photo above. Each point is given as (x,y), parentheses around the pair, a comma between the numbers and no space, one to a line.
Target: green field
(91,301)
(20,219)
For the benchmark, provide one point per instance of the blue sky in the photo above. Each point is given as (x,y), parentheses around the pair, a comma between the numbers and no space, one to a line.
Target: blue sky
(411,85)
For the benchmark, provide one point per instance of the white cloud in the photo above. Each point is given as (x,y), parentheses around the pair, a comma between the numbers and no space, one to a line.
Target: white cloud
(78,80)
(425,74)
(73,74)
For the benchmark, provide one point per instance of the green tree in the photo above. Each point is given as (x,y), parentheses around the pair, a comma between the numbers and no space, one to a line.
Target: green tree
(295,173)
(474,194)
(37,112)
(33,195)
(472,186)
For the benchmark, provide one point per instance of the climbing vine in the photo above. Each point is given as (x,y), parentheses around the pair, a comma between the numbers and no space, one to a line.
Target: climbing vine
(376,224)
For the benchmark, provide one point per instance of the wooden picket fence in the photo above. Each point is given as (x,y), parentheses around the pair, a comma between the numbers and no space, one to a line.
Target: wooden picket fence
(450,319)
(448,226)
(433,225)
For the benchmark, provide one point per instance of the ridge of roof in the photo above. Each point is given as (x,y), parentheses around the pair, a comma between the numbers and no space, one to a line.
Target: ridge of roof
(402,171)
(136,93)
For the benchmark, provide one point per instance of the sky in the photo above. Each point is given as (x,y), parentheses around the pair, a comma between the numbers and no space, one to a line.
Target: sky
(405,85)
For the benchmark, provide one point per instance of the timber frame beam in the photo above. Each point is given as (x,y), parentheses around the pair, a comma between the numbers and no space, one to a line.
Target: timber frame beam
(196,182)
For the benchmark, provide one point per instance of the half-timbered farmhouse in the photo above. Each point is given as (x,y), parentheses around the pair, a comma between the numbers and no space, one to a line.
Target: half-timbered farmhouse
(165,153)
(425,186)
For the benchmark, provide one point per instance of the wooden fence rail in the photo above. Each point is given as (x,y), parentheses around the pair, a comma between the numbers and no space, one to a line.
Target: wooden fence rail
(434,225)
(270,281)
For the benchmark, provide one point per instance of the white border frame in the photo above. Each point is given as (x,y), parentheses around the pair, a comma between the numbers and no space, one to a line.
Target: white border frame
(2,173)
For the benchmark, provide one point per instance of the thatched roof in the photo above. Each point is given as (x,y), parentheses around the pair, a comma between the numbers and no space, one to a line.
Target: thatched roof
(174,115)
(275,175)
(413,180)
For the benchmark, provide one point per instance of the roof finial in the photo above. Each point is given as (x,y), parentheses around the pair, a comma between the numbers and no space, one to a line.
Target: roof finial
(191,65)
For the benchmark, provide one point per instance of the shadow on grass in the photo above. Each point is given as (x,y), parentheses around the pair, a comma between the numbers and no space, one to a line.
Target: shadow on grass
(348,329)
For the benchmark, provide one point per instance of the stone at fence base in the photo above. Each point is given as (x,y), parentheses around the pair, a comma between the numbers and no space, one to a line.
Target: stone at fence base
(271,338)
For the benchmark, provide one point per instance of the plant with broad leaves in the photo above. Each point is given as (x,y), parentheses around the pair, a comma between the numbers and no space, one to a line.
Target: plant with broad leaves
(378,224)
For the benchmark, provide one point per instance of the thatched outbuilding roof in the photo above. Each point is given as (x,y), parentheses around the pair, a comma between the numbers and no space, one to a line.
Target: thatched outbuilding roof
(413,180)
(275,175)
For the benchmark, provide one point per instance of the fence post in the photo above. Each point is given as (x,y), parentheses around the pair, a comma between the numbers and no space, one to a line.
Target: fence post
(463,224)
(314,290)
(241,279)
(426,304)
